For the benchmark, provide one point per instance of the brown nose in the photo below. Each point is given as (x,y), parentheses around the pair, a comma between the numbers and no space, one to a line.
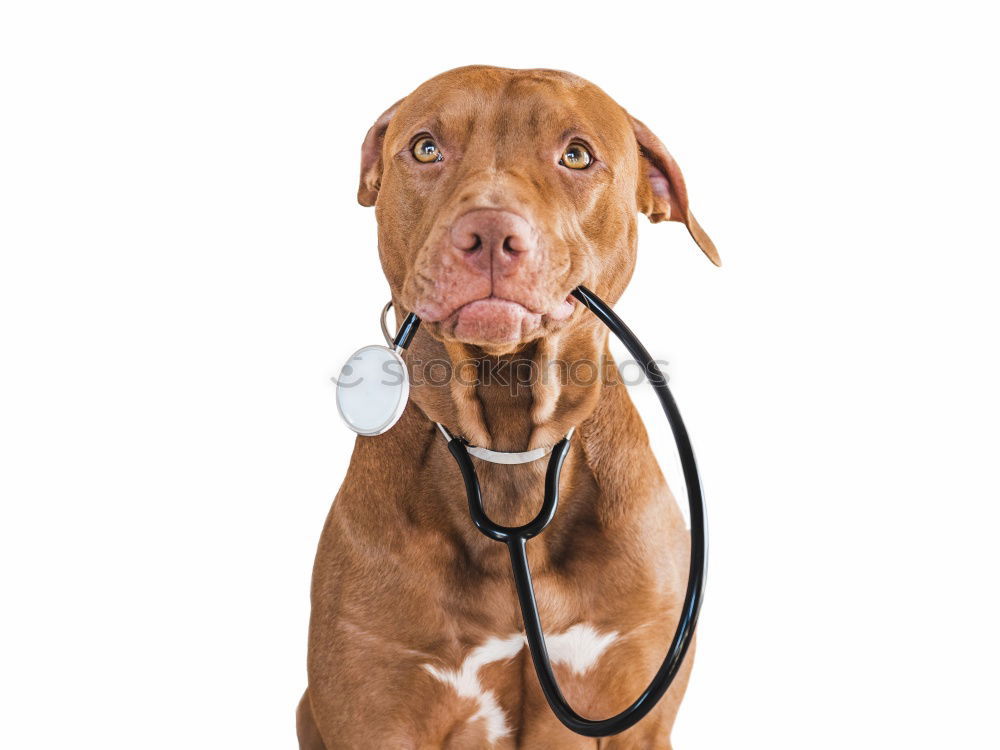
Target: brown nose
(493,241)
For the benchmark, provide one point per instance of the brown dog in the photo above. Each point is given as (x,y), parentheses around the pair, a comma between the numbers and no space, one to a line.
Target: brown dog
(497,192)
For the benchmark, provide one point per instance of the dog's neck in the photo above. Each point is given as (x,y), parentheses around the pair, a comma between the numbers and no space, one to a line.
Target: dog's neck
(511,402)
(605,474)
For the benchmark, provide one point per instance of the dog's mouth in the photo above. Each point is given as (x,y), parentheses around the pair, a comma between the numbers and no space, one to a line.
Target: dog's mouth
(495,321)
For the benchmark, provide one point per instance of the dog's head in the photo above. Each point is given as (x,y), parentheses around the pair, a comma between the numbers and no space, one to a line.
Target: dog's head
(498,191)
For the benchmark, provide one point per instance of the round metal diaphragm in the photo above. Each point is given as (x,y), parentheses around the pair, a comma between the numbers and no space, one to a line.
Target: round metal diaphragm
(372,390)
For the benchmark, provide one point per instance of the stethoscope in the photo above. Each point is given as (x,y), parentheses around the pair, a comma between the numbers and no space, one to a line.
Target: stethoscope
(372,392)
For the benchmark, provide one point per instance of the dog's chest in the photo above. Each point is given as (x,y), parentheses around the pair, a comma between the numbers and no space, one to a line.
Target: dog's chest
(486,683)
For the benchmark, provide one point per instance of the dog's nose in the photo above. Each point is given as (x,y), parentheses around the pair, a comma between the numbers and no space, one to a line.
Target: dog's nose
(493,240)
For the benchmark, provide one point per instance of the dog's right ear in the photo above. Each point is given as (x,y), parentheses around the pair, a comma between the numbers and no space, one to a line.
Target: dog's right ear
(371,158)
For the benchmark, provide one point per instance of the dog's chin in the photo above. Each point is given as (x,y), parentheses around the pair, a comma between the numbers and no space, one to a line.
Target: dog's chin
(494,323)
(499,325)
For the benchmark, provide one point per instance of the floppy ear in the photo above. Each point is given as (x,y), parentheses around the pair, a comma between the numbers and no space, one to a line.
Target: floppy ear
(371,158)
(662,194)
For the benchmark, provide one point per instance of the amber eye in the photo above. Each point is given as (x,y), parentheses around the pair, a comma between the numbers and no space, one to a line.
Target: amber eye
(425,150)
(576,156)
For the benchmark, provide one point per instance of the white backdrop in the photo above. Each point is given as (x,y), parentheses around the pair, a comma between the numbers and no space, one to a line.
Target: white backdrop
(184,266)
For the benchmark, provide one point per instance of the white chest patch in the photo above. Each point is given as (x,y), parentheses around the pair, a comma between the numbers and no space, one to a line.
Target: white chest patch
(579,648)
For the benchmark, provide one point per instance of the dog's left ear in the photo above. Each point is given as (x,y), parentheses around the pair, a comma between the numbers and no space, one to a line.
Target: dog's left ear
(661,194)
(371,157)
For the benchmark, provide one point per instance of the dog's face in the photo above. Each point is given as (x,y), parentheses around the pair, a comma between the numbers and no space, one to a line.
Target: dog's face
(498,191)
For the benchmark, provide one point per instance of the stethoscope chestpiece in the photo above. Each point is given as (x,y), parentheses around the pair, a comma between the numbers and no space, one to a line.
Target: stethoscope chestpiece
(372,390)
(373,386)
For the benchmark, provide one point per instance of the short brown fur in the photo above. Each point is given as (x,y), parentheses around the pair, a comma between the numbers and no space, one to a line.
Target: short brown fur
(402,578)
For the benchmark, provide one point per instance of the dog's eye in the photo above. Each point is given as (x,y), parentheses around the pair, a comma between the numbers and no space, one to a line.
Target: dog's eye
(576,156)
(425,150)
